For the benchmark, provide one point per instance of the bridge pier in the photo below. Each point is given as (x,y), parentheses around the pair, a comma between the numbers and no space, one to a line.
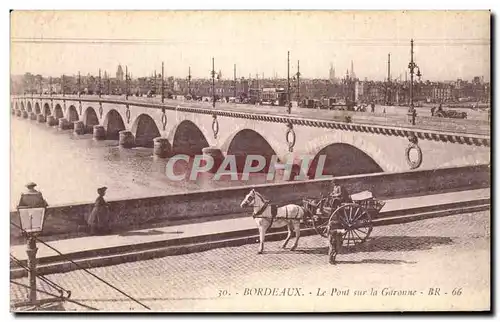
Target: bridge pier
(13,111)
(25,115)
(126,139)
(40,118)
(216,155)
(162,147)
(63,124)
(18,113)
(51,120)
(99,133)
(78,128)
(32,116)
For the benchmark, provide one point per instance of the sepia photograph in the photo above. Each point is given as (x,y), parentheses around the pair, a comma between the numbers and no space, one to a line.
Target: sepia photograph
(258,161)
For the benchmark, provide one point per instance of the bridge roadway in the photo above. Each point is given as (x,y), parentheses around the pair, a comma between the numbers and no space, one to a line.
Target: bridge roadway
(235,129)
(450,253)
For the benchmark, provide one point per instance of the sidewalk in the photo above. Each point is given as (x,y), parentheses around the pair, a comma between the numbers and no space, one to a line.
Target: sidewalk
(188,233)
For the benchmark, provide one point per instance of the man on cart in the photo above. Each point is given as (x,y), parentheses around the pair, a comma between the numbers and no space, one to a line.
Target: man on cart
(339,195)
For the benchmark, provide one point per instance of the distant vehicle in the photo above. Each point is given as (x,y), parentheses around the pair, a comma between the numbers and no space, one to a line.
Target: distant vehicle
(451,114)
(273,96)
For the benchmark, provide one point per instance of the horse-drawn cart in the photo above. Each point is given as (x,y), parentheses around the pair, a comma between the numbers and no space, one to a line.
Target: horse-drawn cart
(353,218)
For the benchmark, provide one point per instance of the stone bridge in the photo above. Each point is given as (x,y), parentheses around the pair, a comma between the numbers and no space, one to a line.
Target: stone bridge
(191,129)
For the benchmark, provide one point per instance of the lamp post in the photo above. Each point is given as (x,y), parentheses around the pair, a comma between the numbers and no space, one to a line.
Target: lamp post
(213,82)
(99,84)
(31,220)
(289,103)
(63,91)
(162,83)
(79,84)
(412,113)
(126,82)
(235,81)
(189,80)
(50,85)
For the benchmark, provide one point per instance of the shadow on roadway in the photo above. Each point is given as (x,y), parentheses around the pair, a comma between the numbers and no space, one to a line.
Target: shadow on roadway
(150,232)
(386,244)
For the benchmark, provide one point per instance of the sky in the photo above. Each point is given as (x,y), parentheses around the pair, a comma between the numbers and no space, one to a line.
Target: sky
(448,44)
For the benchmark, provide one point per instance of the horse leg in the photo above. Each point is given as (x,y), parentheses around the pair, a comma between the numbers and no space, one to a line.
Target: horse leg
(290,228)
(262,236)
(296,225)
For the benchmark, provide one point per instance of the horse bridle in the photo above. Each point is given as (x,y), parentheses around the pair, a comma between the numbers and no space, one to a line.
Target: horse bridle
(258,213)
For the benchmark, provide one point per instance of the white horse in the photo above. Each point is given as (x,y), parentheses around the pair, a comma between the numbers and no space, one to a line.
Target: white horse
(268,216)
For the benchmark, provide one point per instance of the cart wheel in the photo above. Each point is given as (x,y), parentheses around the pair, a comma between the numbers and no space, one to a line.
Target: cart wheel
(320,225)
(356,222)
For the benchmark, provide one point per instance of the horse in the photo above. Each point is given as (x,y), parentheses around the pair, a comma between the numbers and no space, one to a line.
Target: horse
(269,216)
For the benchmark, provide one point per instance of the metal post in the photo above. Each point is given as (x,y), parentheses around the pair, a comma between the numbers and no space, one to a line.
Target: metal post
(162,83)
(213,82)
(126,82)
(99,85)
(189,81)
(289,103)
(31,251)
(298,81)
(258,89)
(79,84)
(109,86)
(234,81)
(411,75)
(50,85)
(63,91)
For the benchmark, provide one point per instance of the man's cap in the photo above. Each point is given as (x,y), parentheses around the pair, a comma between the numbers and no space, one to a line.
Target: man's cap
(30,185)
(102,189)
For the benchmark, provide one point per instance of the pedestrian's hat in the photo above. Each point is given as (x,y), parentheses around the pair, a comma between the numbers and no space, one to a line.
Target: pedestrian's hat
(102,189)
(30,185)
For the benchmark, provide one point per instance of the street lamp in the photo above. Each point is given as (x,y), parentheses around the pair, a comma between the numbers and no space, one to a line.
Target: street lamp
(412,113)
(31,220)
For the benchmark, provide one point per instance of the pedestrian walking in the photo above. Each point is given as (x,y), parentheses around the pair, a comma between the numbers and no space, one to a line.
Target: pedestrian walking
(98,220)
(32,198)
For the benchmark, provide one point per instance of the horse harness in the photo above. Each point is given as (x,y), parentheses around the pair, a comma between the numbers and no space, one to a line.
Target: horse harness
(274,213)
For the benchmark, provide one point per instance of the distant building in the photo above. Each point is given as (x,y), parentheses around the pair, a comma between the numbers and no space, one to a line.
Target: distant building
(119,73)
(332,78)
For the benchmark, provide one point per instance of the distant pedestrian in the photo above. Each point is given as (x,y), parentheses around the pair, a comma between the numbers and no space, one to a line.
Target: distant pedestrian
(32,198)
(433,109)
(98,220)
(373,107)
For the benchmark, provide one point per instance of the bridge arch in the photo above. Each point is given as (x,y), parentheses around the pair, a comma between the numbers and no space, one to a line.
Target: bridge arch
(90,119)
(246,142)
(343,159)
(113,123)
(29,107)
(348,152)
(72,114)
(46,110)
(37,108)
(58,112)
(145,130)
(17,106)
(187,138)
(22,106)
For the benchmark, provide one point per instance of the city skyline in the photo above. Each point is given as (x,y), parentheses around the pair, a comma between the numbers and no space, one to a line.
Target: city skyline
(448,45)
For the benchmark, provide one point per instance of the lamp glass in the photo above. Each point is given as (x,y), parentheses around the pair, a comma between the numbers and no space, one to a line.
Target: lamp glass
(32,219)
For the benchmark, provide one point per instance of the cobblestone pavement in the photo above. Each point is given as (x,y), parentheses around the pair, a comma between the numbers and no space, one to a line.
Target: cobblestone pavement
(450,253)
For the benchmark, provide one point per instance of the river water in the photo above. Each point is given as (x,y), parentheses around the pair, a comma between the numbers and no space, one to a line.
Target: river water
(69,168)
